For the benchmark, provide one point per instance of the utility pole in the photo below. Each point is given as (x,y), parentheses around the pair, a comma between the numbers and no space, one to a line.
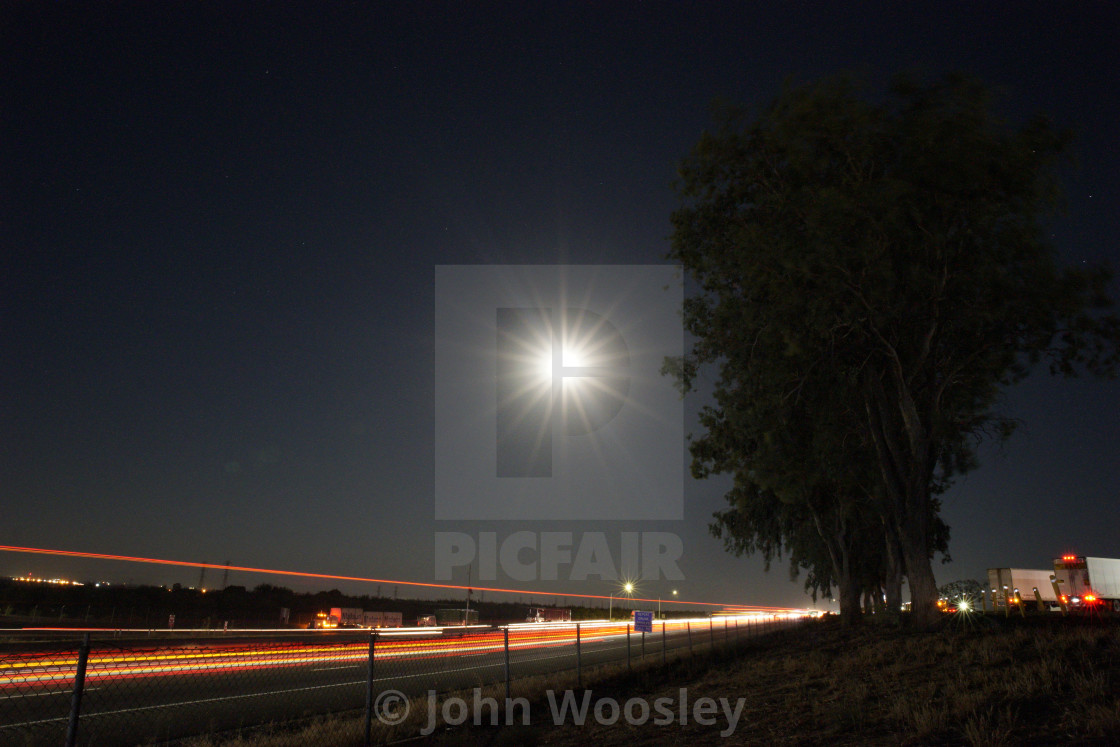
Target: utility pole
(467,618)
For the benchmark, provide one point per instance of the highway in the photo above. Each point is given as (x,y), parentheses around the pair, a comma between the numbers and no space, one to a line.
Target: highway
(142,691)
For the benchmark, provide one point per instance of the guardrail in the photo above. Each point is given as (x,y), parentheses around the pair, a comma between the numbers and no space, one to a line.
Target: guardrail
(105,689)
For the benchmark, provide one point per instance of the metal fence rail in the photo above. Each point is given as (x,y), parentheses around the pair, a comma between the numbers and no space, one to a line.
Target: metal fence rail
(119,691)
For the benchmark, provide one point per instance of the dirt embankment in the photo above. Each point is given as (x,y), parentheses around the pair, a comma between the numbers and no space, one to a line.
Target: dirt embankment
(977,681)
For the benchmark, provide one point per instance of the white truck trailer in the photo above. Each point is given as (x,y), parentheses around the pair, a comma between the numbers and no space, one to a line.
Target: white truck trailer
(1088,583)
(1010,585)
(548,614)
(379,619)
(346,617)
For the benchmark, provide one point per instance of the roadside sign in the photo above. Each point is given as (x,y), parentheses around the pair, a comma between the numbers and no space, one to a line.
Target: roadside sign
(643,621)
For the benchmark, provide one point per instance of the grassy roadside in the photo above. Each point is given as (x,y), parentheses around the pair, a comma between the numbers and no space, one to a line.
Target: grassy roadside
(977,681)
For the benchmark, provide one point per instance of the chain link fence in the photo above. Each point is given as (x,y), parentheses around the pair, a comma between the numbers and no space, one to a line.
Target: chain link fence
(348,685)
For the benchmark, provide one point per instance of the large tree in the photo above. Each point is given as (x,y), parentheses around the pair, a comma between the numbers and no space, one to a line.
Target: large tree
(878,269)
(820,517)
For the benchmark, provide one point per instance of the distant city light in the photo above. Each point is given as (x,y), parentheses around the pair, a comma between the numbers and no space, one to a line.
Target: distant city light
(33,579)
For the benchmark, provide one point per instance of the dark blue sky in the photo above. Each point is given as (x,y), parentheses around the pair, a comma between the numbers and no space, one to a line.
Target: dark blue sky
(219,224)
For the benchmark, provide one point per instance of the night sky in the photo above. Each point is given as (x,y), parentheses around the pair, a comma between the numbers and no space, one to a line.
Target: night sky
(220,222)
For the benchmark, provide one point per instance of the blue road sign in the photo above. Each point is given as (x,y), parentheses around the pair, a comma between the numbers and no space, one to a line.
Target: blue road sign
(643,621)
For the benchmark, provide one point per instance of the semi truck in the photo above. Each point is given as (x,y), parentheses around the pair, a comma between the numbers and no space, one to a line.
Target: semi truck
(448,617)
(346,617)
(1088,583)
(355,617)
(1009,586)
(548,614)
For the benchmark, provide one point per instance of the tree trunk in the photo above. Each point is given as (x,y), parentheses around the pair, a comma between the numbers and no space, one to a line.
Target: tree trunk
(837,542)
(903,445)
(892,584)
(915,534)
(850,611)
(923,586)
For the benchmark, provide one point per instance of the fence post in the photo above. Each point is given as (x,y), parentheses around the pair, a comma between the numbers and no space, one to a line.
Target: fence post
(712,632)
(662,643)
(369,687)
(689,637)
(579,662)
(507,665)
(736,628)
(629,667)
(643,645)
(79,687)
(725,631)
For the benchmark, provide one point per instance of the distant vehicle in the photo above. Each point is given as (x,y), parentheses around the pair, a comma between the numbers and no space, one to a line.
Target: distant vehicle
(354,617)
(452,616)
(341,617)
(1010,585)
(379,619)
(426,621)
(548,614)
(1088,583)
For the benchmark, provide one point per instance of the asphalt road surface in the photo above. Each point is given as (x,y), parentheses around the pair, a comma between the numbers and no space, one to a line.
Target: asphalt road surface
(144,691)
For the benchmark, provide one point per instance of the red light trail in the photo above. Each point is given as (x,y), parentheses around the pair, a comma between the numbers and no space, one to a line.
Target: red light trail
(332,577)
(58,667)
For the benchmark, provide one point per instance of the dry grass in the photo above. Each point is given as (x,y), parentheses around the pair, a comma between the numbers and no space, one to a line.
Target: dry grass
(975,682)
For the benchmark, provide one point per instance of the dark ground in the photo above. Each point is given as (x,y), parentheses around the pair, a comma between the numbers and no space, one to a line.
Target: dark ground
(978,680)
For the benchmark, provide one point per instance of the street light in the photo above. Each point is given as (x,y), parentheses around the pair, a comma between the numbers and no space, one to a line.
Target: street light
(628,588)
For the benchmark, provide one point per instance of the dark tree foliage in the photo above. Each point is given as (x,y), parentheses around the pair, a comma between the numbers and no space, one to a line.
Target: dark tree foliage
(870,274)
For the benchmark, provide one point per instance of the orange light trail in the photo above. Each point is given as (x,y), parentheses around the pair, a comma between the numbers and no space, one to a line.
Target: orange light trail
(36,669)
(332,577)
